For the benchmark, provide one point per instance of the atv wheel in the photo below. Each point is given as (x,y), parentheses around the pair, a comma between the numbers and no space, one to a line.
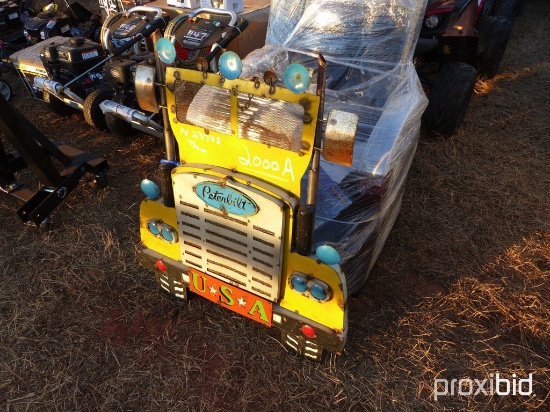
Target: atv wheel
(92,112)
(118,126)
(5,90)
(57,106)
(449,97)
(488,60)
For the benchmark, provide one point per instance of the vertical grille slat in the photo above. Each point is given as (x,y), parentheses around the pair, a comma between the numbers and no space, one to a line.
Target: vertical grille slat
(243,250)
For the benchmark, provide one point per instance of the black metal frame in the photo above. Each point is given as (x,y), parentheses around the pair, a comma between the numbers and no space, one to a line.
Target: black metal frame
(36,152)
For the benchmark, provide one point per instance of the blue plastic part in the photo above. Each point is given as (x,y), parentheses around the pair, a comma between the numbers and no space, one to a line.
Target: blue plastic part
(296,78)
(170,162)
(167,234)
(318,292)
(166,50)
(298,283)
(152,227)
(150,189)
(328,255)
(230,65)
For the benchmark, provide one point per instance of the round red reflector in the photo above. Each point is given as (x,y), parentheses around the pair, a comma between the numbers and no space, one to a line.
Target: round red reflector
(308,331)
(159,264)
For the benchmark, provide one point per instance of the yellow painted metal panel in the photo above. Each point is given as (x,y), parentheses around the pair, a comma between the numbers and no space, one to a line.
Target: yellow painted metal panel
(280,167)
(151,209)
(331,313)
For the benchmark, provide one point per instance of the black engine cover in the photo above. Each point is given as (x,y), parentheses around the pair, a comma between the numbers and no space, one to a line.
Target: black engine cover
(75,55)
(120,71)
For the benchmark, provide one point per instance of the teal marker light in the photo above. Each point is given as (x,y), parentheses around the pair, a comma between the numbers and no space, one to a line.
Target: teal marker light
(150,189)
(296,78)
(166,50)
(328,255)
(230,65)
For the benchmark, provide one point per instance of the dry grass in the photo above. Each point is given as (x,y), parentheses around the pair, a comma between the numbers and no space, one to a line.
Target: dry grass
(461,289)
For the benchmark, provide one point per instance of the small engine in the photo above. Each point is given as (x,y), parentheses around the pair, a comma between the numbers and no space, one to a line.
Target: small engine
(77,55)
(50,23)
(10,16)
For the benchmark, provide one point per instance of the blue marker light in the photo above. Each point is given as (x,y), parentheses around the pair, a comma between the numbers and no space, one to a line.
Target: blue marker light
(166,50)
(168,234)
(328,255)
(150,189)
(230,65)
(318,292)
(152,227)
(298,283)
(296,78)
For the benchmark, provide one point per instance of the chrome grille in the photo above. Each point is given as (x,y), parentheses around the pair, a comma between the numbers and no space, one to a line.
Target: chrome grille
(243,251)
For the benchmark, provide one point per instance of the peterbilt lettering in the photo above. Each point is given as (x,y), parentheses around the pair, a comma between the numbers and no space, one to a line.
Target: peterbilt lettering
(226,198)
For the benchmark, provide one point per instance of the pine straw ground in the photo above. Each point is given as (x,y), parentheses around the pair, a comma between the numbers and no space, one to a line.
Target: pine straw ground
(461,290)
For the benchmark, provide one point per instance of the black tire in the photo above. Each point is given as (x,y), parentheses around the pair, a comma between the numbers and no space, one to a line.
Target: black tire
(5,90)
(449,98)
(57,106)
(119,127)
(507,8)
(489,59)
(92,113)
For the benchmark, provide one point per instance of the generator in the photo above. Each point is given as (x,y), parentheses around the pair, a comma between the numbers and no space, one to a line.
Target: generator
(65,72)
(120,28)
(194,35)
(50,23)
(198,37)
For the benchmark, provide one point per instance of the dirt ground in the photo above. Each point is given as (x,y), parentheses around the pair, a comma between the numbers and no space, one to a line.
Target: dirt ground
(461,290)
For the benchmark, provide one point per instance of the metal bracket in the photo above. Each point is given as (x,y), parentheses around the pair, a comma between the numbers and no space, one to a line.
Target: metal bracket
(35,151)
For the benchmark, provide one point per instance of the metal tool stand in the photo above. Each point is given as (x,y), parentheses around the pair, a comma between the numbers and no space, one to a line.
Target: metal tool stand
(36,152)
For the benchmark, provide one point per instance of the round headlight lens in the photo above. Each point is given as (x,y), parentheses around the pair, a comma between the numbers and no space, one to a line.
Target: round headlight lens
(298,283)
(153,228)
(168,234)
(319,292)
(431,22)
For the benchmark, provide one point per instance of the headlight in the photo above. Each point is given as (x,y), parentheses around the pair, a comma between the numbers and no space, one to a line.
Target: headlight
(298,283)
(161,230)
(152,226)
(431,22)
(168,233)
(310,287)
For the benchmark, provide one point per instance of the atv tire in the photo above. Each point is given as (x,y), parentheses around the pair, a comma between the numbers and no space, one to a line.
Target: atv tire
(57,106)
(119,127)
(92,112)
(5,90)
(489,59)
(449,98)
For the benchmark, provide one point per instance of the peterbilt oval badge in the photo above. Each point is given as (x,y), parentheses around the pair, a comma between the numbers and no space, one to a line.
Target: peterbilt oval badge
(226,198)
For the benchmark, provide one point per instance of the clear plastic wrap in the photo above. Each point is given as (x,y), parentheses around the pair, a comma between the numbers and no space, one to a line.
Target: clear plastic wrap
(368,46)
